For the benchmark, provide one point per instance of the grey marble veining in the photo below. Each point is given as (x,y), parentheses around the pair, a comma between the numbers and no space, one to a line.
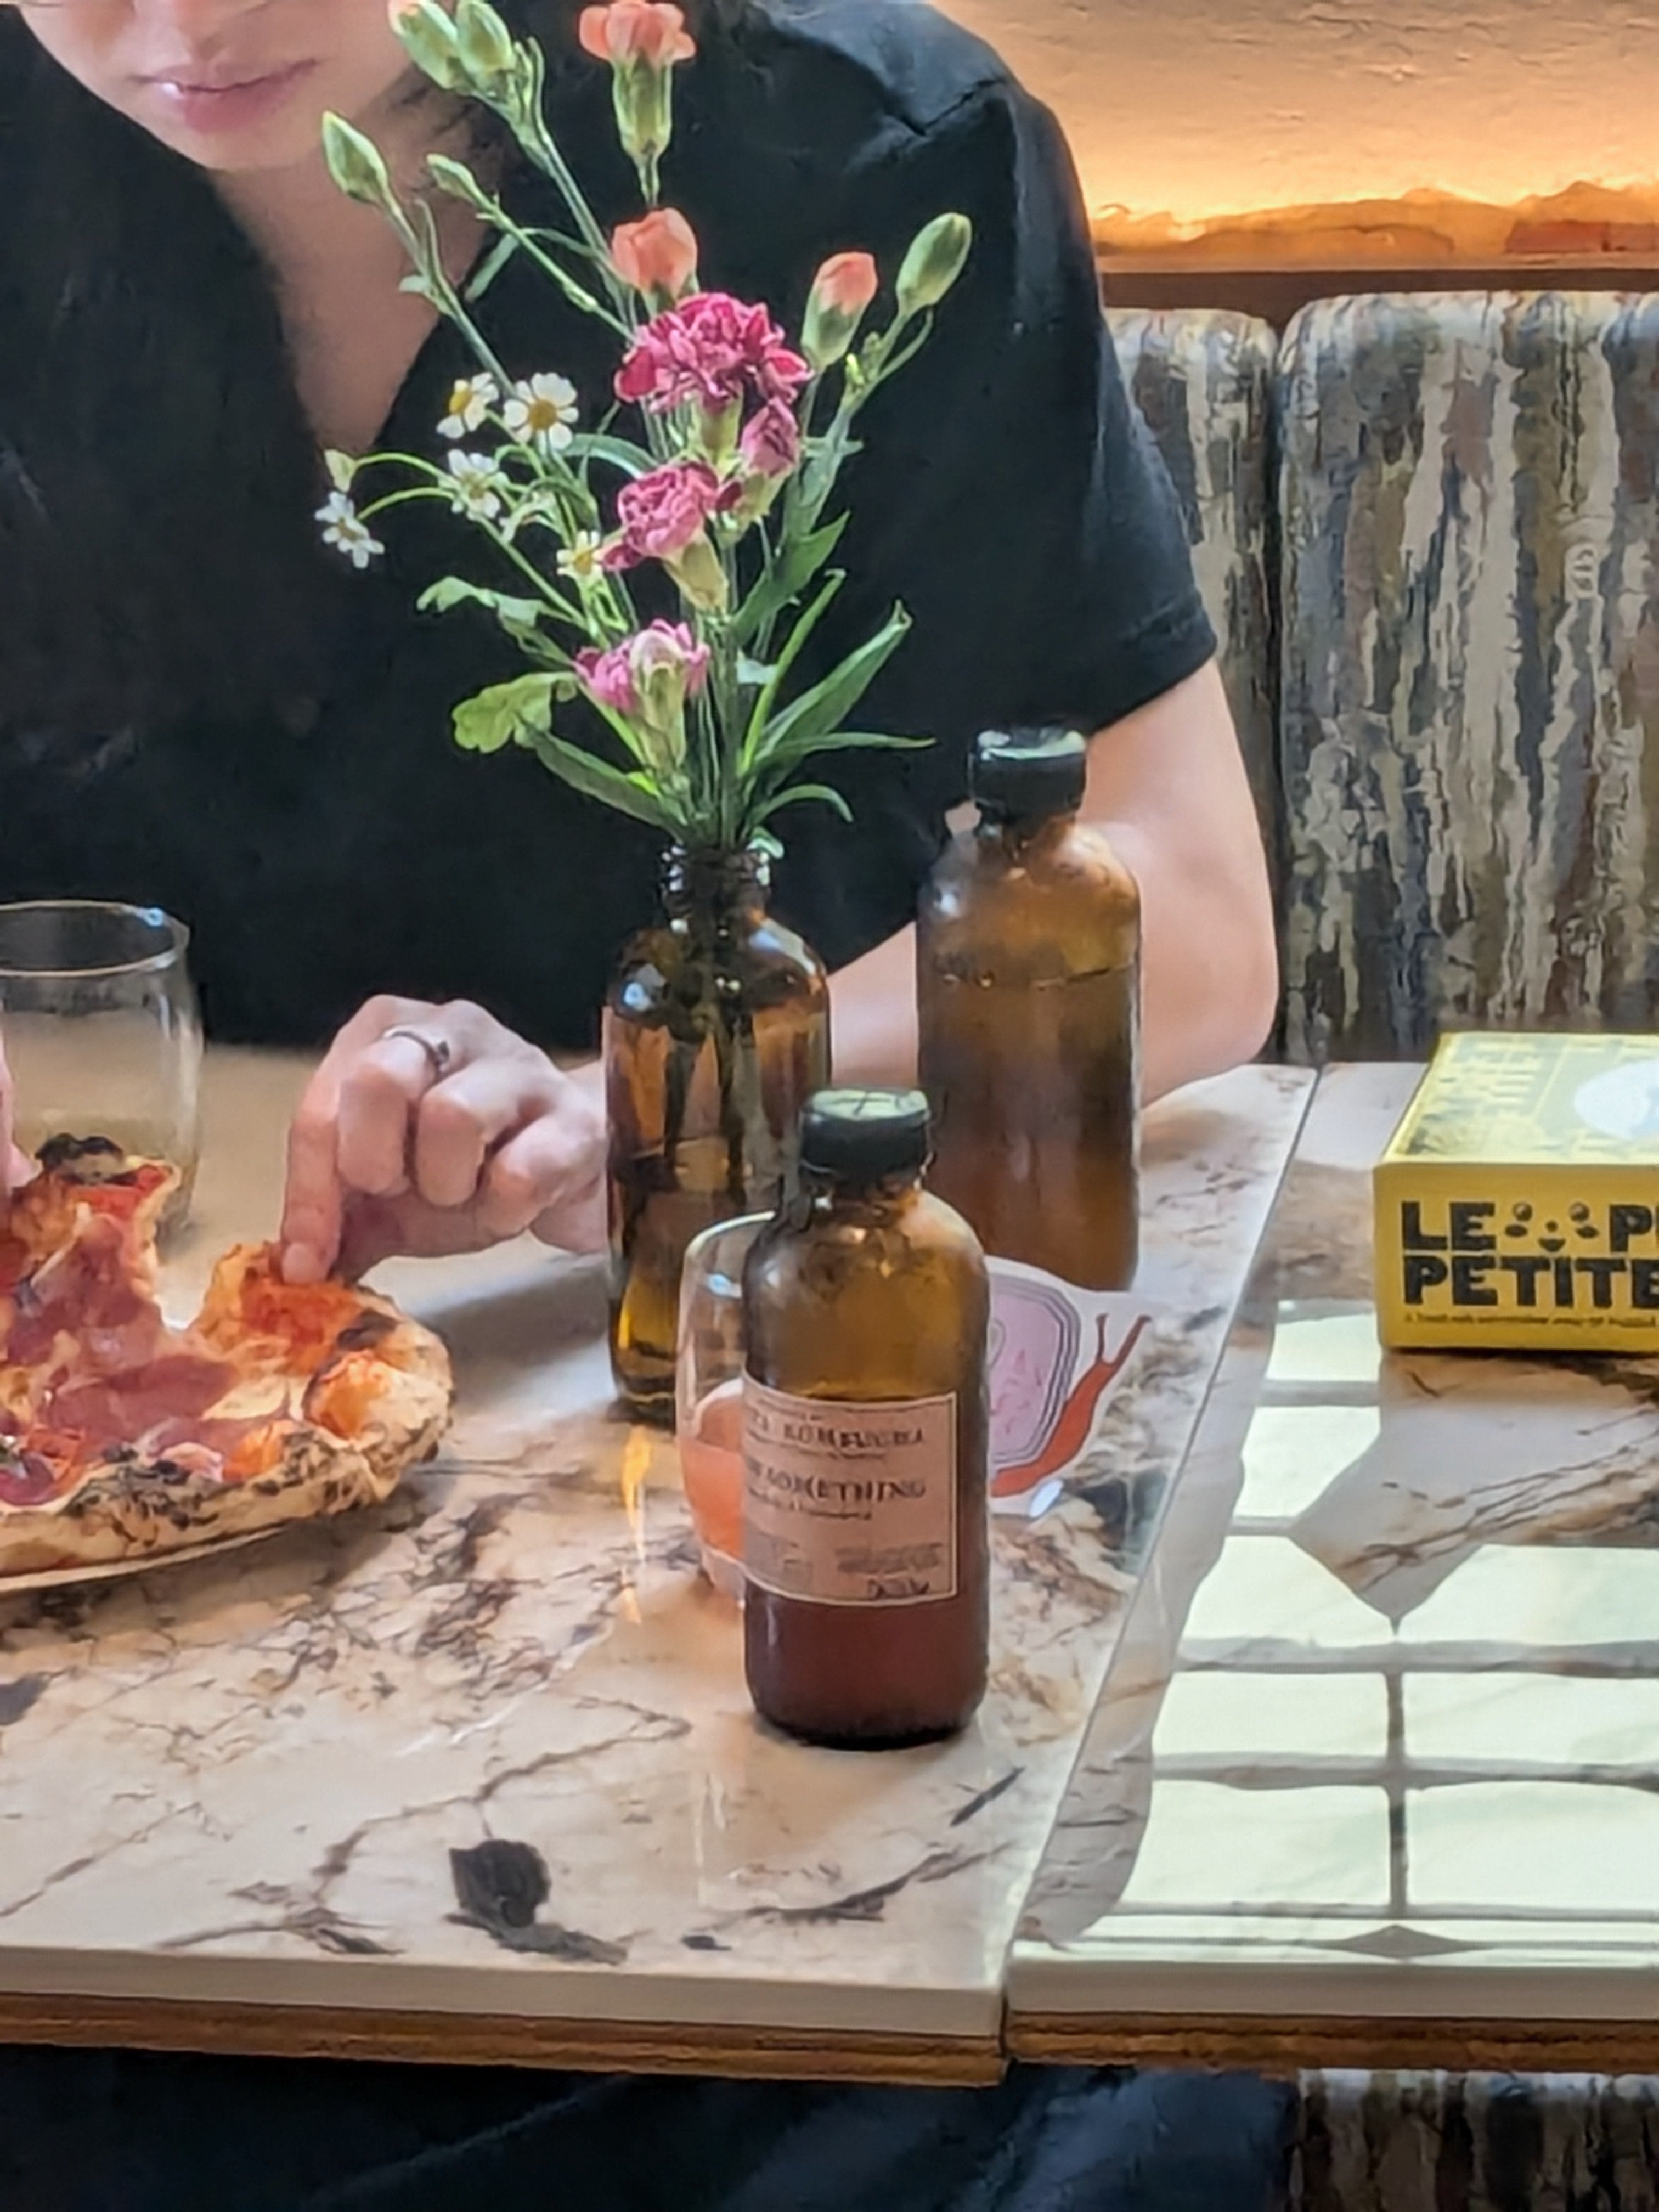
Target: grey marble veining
(488,1749)
(1381,1736)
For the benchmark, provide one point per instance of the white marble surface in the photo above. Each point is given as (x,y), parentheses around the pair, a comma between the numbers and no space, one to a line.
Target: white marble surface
(1382,1735)
(244,1779)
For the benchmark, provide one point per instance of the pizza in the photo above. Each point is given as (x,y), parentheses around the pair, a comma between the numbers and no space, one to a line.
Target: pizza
(121,1438)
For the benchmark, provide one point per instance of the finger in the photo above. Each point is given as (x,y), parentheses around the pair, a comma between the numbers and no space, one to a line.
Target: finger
(549,1178)
(469,1115)
(313,1199)
(380,1094)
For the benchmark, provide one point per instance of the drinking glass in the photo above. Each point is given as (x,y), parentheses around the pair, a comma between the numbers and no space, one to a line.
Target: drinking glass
(708,1393)
(102,1031)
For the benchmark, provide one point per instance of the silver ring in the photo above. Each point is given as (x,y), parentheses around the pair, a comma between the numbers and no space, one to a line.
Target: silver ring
(439,1053)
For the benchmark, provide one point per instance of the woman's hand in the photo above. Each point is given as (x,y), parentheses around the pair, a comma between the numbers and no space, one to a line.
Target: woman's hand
(433,1129)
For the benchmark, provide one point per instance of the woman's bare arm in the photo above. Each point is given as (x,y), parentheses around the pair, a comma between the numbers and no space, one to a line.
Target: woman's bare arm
(1168,787)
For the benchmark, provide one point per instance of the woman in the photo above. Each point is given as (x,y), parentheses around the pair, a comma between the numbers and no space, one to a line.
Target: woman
(202,709)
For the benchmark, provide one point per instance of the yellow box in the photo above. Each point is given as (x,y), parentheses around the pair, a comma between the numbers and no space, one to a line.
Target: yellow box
(1517,1204)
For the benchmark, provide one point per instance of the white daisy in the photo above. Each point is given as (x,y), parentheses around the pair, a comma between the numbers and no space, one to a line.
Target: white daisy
(543,413)
(469,402)
(583,559)
(478,485)
(344,528)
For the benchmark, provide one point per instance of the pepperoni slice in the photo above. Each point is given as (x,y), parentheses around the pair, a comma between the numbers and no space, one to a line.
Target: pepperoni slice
(27,1480)
(114,1409)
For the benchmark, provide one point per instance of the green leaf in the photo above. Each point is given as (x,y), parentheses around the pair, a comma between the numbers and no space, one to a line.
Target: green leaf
(632,460)
(792,752)
(634,795)
(455,592)
(800,793)
(823,709)
(787,576)
(791,652)
(522,619)
(492,267)
(498,717)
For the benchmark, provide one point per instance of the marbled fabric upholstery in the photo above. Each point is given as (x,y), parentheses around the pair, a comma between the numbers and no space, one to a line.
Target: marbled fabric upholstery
(1452,725)
(1470,718)
(1203,379)
(1431,2142)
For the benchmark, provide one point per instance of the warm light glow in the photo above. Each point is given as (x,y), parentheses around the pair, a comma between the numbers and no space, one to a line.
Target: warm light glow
(1180,112)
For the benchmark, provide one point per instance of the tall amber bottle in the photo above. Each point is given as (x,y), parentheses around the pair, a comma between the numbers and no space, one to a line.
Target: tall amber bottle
(1028,986)
(866,1515)
(716,1033)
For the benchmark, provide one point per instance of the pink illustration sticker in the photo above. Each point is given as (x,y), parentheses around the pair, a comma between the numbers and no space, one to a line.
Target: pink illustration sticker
(1058,1357)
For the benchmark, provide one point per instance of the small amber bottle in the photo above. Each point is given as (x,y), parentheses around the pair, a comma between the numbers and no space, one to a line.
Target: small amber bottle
(866,1536)
(1028,989)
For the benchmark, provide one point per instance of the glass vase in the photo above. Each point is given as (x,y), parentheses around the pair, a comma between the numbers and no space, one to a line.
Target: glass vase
(709,1423)
(716,1033)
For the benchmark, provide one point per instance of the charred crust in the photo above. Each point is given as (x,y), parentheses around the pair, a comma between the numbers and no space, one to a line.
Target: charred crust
(369,1330)
(85,1159)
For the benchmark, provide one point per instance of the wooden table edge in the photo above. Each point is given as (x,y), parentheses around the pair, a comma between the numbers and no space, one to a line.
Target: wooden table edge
(1270,2044)
(585,2046)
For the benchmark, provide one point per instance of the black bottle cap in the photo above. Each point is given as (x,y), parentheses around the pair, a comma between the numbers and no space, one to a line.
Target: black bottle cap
(861,1136)
(1023,776)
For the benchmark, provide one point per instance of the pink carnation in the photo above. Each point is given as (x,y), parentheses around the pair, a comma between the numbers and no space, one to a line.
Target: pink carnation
(665,512)
(618,678)
(711,350)
(770,447)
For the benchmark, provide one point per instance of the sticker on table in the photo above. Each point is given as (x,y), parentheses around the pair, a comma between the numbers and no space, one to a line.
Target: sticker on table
(1058,1357)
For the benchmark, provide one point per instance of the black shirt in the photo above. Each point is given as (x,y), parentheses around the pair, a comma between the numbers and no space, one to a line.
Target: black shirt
(1008,496)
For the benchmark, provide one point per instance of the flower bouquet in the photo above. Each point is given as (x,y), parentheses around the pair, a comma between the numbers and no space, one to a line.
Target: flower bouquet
(712,463)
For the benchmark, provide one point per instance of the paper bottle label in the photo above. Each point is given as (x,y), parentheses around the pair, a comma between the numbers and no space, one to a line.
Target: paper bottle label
(850,1503)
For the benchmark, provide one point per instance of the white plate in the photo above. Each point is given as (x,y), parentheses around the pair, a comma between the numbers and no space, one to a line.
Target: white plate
(117,1570)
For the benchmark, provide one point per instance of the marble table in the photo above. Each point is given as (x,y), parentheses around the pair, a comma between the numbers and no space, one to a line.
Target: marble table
(474,1776)
(1375,1779)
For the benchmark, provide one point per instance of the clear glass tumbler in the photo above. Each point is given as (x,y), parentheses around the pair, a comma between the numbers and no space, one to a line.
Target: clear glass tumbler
(708,1393)
(102,1032)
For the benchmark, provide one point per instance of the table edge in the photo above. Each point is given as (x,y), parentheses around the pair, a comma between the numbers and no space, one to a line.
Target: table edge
(1264,2043)
(577,2045)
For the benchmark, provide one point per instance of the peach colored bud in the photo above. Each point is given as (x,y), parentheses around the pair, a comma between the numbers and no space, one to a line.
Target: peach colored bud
(841,292)
(847,283)
(658,255)
(635,32)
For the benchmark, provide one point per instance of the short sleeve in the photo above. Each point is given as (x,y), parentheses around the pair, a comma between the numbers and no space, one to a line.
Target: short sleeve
(1061,512)
(1008,495)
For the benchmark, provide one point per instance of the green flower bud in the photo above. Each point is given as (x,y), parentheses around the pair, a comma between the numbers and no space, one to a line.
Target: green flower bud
(937,257)
(485,46)
(644,101)
(355,163)
(430,39)
(701,577)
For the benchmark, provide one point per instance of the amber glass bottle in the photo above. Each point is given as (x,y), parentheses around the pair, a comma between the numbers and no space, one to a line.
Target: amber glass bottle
(716,1033)
(1028,986)
(867,1541)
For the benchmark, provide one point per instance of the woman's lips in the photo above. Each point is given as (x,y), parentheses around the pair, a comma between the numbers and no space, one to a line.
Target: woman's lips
(212,109)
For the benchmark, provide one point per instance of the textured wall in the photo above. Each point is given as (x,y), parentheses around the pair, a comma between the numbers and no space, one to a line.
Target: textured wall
(1208,106)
